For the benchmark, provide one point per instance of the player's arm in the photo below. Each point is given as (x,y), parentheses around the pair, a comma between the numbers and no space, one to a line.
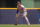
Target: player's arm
(24,14)
(24,11)
(17,12)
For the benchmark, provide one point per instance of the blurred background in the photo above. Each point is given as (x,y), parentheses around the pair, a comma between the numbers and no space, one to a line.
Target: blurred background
(8,16)
(8,3)
(31,3)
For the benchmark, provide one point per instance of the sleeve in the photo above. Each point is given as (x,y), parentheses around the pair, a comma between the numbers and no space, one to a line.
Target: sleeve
(17,11)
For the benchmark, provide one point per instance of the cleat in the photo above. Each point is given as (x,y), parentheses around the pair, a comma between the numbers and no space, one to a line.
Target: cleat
(15,24)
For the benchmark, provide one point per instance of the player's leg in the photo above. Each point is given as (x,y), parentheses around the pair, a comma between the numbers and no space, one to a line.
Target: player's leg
(17,19)
(27,20)
(24,16)
(18,15)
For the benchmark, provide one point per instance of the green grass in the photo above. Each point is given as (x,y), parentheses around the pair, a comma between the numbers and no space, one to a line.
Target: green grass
(19,25)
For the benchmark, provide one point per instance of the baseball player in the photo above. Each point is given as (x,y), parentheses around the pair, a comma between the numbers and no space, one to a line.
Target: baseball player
(21,10)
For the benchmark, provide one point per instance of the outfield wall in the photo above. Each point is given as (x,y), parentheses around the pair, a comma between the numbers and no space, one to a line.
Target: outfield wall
(8,16)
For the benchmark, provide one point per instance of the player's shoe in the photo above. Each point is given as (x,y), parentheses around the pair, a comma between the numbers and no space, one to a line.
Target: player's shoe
(15,24)
(29,24)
